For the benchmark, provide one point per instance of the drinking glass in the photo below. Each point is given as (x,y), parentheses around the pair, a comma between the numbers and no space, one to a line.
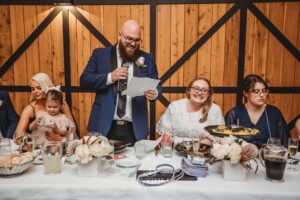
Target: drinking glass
(292,148)
(70,157)
(196,144)
(109,158)
(20,138)
(167,149)
(140,150)
(72,132)
(198,156)
(273,142)
(187,142)
(5,147)
(30,144)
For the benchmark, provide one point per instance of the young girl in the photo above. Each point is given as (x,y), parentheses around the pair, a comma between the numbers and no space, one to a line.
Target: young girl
(52,120)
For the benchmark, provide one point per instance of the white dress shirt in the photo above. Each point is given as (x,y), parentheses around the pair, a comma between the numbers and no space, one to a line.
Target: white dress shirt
(128,114)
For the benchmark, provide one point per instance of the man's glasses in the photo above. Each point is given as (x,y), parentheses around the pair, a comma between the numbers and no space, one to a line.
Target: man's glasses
(131,40)
(265,92)
(197,90)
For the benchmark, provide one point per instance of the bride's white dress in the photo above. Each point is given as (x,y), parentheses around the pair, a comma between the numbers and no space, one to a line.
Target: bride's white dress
(182,123)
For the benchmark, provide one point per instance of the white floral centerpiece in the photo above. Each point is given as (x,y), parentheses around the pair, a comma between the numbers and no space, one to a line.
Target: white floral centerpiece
(89,147)
(236,151)
(89,152)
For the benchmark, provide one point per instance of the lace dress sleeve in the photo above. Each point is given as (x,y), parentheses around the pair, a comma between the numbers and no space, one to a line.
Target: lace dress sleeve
(215,116)
(165,122)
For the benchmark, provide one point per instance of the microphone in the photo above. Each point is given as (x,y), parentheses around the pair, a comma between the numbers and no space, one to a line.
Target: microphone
(123,82)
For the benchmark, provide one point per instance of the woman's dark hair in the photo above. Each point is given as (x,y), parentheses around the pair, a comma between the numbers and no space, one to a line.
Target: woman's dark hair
(210,99)
(54,96)
(249,82)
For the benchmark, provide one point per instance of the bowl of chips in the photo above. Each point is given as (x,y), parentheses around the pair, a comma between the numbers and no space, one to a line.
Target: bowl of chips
(15,164)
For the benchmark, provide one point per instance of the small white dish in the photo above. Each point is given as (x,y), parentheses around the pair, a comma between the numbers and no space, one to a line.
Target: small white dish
(127,162)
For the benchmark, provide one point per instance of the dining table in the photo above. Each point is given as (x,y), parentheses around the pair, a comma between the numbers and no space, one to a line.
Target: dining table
(120,183)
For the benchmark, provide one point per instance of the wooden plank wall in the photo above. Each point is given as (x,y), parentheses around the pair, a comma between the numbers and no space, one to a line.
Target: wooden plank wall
(178,27)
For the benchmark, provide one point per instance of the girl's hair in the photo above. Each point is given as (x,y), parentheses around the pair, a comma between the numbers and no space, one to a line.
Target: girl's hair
(44,81)
(54,96)
(249,82)
(208,103)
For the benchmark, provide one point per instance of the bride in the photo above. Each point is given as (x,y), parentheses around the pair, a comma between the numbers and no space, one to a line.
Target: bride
(187,117)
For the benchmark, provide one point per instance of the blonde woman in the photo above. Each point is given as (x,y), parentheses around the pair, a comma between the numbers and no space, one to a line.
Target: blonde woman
(187,117)
(28,120)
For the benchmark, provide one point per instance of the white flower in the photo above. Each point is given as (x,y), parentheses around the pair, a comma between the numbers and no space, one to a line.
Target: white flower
(97,150)
(89,147)
(220,151)
(228,148)
(83,153)
(235,153)
(107,148)
(228,140)
(140,62)
(73,145)
(237,150)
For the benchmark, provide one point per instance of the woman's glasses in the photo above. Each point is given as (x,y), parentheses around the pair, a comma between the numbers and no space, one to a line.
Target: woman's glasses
(265,92)
(130,39)
(199,90)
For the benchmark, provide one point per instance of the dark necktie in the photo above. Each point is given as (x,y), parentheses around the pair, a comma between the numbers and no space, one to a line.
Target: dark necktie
(121,109)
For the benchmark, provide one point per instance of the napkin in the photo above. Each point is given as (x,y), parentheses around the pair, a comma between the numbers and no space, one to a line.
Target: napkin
(193,169)
(150,144)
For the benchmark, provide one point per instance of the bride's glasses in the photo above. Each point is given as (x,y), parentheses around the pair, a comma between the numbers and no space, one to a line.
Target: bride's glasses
(200,90)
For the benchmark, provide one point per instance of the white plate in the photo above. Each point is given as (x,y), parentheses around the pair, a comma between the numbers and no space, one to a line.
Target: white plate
(128,162)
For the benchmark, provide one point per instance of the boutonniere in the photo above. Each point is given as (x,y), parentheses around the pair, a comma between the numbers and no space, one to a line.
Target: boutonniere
(140,62)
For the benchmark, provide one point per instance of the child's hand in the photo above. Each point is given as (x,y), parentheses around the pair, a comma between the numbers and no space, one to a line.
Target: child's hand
(54,127)
(53,136)
(34,125)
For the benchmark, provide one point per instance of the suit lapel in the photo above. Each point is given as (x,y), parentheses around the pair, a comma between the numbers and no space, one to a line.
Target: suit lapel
(114,65)
(136,70)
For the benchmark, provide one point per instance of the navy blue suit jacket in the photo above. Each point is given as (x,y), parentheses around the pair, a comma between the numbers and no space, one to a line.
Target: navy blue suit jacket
(8,117)
(102,62)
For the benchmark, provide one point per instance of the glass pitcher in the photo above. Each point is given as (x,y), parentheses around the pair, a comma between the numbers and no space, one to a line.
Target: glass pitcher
(274,160)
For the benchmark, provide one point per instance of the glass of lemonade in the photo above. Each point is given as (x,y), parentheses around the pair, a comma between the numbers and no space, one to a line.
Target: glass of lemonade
(52,153)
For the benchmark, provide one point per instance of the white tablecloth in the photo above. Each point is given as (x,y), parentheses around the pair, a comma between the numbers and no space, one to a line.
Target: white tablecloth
(116,184)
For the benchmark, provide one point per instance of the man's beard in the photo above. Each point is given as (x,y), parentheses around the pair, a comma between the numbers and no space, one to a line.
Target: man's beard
(125,56)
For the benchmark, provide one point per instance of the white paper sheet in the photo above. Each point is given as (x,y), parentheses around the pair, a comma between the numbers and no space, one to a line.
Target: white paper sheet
(137,86)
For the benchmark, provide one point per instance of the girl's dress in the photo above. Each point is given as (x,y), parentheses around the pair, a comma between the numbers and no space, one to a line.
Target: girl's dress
(45,126)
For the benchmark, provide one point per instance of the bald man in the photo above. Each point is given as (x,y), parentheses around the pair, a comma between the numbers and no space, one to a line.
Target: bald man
(120,117)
